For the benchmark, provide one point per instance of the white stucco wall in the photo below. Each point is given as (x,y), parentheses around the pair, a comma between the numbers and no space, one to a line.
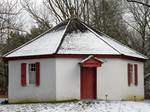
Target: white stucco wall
(45,92)
(67,78)
(112,80)
(60,80)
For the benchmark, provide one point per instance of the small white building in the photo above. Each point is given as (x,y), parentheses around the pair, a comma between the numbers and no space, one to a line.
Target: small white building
(72,61)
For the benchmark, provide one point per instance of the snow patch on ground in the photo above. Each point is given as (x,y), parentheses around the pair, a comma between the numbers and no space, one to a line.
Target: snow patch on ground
(81,106)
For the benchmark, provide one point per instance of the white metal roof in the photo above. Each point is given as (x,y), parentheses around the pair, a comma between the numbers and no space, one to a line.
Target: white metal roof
(84,43)
(67,39)
(47,44)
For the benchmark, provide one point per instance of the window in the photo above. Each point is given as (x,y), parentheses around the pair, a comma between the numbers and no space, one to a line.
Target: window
(32,73)
(132,74)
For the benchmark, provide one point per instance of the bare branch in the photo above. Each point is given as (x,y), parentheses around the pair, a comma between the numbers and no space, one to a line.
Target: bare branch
(139,2)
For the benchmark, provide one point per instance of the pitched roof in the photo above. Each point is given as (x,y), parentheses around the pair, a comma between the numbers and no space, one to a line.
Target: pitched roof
(73,37)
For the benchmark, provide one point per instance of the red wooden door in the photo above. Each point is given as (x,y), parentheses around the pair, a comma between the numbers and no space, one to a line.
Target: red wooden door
(88,83)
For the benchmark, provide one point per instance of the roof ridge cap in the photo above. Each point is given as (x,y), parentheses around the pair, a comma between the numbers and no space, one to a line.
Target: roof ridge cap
(97,35)
(63,36)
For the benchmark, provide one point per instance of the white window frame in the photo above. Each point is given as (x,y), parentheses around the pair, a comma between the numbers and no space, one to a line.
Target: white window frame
(132,77)
(28,74)
(132,84)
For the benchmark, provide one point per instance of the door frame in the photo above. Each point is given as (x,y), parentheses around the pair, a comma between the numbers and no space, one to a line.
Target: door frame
(90,62)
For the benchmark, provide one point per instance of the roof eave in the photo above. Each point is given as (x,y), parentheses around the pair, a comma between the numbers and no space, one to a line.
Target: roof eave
(74,56)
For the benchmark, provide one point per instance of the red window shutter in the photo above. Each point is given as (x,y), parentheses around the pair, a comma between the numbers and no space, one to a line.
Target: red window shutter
(37,74)
(23,74)
(129,74)
(136,74)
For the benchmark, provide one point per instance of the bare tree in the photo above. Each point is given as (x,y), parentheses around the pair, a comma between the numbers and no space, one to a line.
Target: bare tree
(141,15)
(8,19)
(59,10)
(141,29)
(139,2)
(103,15)
(8,23)
(106,16)
(38,13)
